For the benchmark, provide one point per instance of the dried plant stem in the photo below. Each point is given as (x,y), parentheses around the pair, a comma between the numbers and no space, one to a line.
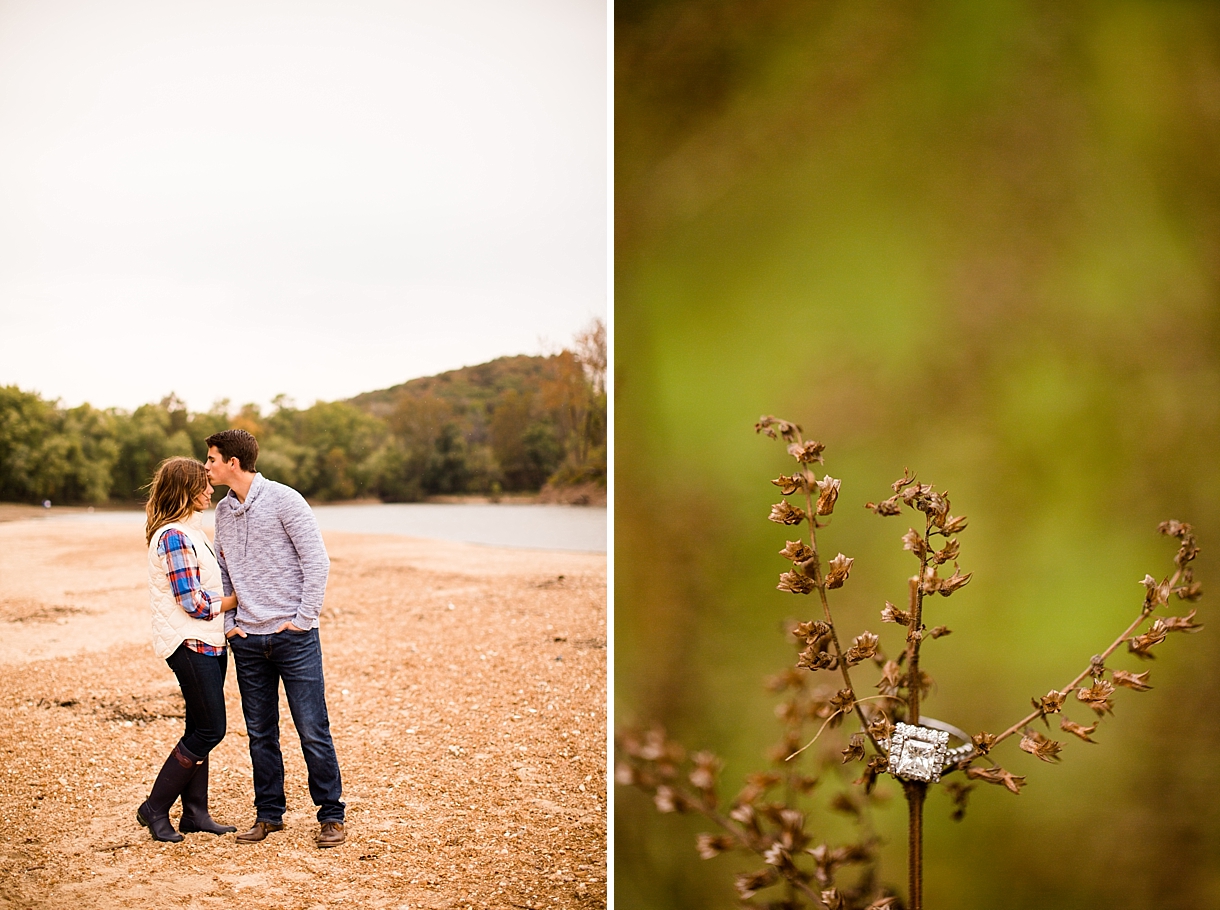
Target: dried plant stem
(820,583)
(915,791)
(821,730)
(1075,683)
(913,681)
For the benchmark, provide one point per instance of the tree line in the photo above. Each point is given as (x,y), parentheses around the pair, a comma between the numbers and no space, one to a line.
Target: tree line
(515,424)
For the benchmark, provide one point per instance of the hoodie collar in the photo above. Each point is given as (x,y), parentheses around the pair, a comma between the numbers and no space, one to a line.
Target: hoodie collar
(256,487)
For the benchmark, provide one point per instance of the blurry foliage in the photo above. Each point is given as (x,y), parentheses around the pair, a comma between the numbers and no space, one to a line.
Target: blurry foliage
(777,816)
(980,237)
(513,424)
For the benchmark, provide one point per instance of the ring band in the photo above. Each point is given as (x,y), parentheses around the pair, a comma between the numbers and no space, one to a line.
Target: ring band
(921,752)
(957,753)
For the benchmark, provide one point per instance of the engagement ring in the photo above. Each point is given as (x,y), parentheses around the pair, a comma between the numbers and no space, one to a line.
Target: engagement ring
(922,752)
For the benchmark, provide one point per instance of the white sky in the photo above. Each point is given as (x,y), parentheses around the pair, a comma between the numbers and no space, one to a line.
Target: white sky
(241,198)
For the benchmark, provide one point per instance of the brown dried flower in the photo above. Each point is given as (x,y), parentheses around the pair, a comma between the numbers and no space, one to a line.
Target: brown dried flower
(795,583)
(786,514)
(840,568)
(913,542)
(1050,703)
(712,845)
(855,748)
(1192,591)
(1040,746)
(1077,730)
(885,507)
(1097,697)
(906,480)
(954,525)
(954,582)
(828,493)
(789,485)
(1157,594)
(843,701)
(707,765)
(1182,623)
(864,647)
(948,553)
(983,742)
(959,792)
(807,452)
(811,631)
(1141,645)
(997,775)
(769,425)
(666,799)
(1136,681)
(796,550)
(892,614)
(814,659)
(891,678)
(880,728)
(750,883)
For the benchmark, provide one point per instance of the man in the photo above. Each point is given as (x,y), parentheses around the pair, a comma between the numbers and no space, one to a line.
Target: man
(272,557)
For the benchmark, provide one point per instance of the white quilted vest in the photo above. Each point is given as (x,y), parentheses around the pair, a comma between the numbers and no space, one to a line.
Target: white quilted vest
(170,623)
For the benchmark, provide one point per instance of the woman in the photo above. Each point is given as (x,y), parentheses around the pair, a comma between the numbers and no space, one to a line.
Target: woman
(188,631)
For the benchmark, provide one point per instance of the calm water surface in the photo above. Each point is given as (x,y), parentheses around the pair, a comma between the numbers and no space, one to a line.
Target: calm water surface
(533,527)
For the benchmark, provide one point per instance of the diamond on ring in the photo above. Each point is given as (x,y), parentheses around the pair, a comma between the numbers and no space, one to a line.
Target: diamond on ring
(918,753)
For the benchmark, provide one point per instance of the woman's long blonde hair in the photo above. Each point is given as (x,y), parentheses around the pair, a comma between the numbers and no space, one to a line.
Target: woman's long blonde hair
(171,495)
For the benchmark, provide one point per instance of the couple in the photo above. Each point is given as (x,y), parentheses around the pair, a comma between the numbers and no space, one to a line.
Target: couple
(271,565)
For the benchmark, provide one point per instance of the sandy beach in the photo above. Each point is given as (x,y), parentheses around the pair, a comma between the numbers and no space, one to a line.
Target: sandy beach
(466,688)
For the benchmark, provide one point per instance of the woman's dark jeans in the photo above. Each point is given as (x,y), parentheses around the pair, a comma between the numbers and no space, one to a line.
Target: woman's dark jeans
(295,658)
(202,680)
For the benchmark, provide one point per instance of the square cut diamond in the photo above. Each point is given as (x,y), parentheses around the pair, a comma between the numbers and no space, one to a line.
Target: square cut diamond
(918,753)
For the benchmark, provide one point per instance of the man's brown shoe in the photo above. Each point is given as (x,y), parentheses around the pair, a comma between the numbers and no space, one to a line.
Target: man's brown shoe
(331,835)
(258,832)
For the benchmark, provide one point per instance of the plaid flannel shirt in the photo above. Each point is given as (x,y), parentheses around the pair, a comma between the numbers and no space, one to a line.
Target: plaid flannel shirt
(183,564)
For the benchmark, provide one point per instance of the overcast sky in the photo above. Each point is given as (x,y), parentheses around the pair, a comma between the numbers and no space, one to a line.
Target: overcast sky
(241,199)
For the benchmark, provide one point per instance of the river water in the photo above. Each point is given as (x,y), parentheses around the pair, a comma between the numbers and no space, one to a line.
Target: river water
(529,526)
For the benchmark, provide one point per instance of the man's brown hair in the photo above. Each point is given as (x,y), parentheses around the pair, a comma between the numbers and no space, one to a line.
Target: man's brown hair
(236,444)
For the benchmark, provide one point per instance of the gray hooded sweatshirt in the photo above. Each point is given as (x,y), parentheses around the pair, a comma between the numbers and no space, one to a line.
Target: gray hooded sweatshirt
(272,556)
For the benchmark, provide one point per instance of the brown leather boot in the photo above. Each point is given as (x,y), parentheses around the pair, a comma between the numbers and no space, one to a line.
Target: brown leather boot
(331,835)
(258,832)
(195,816)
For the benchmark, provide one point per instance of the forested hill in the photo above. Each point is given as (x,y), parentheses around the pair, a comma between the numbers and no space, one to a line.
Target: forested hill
(514,424)
(480,385)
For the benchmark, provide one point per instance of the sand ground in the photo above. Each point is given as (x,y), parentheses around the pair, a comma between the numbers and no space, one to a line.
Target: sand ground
(466,688)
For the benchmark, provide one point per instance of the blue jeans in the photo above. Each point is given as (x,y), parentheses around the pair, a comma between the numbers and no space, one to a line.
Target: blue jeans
(202,680)
(296,658)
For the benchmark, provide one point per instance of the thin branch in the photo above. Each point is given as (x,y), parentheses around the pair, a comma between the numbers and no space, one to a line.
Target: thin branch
(1075,683)
(748,842)
(821,730)
(820,583)
(913,680)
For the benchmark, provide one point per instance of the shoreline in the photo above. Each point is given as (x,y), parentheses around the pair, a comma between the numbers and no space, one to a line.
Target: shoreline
(587,495)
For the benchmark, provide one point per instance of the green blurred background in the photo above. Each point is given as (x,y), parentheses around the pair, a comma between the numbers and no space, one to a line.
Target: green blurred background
(980,239)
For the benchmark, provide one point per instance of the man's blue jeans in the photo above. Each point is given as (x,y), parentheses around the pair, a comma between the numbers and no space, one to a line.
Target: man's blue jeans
(262,661)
